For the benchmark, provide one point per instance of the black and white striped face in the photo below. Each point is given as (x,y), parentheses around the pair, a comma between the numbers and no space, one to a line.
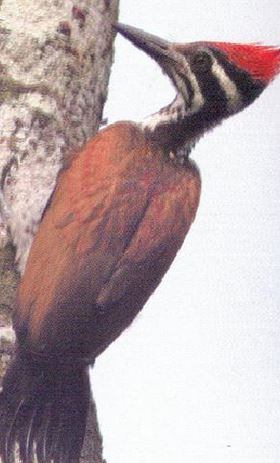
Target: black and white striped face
(210,85)
(212,81)
(209,89)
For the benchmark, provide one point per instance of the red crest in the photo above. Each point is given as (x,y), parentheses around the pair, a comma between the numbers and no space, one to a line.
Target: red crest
(260,61)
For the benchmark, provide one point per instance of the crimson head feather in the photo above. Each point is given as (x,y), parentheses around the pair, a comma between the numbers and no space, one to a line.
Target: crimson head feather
(262,62)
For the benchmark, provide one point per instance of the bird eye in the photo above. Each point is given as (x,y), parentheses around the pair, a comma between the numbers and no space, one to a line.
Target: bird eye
(201,62)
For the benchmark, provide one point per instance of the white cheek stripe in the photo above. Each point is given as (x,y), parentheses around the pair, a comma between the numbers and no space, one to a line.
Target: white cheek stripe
(198,99)
(228,86)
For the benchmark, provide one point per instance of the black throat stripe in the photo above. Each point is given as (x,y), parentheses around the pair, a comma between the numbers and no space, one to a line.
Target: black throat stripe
(215,98)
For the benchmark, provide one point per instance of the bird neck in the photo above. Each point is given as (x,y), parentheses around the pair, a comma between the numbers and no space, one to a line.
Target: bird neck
(171,130)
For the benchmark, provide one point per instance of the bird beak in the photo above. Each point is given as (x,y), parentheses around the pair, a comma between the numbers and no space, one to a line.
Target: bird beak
(154,46)
(167,54)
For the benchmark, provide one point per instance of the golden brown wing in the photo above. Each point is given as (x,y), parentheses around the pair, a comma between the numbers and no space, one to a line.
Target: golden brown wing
(117,211)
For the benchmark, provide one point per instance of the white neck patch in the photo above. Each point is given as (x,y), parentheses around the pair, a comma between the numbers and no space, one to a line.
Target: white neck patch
(172,113)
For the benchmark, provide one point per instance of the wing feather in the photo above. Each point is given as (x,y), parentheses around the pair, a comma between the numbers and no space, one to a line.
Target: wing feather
(116,220)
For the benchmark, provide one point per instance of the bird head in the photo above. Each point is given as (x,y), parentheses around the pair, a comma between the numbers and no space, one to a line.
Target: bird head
(213,80)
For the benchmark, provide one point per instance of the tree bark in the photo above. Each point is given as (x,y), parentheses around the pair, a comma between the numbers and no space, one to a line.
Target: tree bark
(55,62)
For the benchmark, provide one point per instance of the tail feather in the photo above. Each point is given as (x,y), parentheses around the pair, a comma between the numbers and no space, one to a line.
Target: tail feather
(43,411)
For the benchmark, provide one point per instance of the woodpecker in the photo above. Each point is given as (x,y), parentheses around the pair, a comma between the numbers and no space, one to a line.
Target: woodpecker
(120,211)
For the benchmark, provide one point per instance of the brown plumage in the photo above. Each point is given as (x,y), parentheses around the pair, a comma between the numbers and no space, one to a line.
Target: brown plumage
(119,213)
(118,216)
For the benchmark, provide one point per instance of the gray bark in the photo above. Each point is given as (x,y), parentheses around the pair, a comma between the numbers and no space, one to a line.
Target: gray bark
(55,60)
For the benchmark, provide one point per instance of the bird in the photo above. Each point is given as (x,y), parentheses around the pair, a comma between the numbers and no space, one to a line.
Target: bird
(120,211)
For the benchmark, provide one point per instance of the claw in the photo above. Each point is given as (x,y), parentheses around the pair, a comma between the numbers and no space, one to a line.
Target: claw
(7,170)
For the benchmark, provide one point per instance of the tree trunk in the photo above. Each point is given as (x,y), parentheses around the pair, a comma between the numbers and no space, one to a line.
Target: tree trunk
(55,62)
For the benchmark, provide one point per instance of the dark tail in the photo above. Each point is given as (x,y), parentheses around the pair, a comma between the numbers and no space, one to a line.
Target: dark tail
(43,411)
